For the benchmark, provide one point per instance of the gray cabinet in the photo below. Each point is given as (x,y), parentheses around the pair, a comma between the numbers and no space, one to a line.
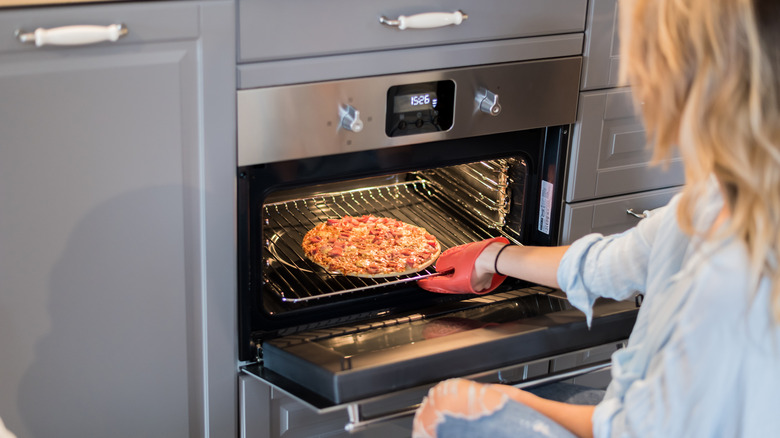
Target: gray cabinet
(111,159)
(610,168)
(286,30)
(601,54)
(610,215)
(609,154)
(282,43)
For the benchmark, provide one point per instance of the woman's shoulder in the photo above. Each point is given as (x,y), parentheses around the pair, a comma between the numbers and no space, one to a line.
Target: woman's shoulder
(720,273)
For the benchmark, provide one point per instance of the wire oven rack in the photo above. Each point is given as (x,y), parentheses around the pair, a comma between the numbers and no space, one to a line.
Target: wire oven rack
(291,276)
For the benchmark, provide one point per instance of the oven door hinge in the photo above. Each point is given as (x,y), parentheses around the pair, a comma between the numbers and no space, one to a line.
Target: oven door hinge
(258,351)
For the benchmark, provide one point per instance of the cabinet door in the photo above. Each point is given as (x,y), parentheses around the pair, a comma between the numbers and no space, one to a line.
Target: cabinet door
(100,219)
(609,152)
(600,60)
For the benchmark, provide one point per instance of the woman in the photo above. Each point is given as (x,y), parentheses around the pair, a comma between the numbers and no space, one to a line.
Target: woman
(704,356)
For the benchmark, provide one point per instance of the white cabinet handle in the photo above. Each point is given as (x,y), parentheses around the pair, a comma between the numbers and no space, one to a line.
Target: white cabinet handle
(73,35)
(427,20)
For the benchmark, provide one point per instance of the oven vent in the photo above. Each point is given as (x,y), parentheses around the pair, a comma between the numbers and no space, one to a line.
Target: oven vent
(294,279)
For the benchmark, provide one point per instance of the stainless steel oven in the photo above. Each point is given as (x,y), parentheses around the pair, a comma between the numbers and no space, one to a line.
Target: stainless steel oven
(468,153)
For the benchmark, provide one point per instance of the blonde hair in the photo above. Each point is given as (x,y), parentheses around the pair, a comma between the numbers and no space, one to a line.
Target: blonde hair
(706,77)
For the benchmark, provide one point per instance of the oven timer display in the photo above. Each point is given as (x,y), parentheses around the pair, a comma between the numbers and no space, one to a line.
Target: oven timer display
(412,102)
(419,108)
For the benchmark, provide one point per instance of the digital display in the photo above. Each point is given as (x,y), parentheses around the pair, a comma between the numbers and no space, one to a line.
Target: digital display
(415,102)
(420,108)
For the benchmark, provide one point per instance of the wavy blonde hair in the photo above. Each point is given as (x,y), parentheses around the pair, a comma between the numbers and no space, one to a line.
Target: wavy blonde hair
(705,75)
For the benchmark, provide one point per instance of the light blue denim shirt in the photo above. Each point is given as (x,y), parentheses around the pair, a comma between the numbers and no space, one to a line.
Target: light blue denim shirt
(703,359)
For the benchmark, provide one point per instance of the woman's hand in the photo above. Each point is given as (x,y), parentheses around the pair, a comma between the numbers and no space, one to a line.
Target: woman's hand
(472,268)
(466,399)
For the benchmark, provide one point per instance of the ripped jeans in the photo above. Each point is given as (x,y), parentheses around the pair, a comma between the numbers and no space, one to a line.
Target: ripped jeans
(462,408)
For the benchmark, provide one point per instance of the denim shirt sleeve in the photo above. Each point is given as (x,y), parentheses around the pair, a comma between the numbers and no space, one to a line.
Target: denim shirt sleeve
(614,266)
(692,384)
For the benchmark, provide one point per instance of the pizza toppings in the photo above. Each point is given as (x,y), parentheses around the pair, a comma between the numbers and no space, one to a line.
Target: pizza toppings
(370,246)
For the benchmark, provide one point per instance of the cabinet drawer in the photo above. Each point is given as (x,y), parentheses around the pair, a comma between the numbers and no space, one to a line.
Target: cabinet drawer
(609,152)
(602,48)
(272,30)
(609,216)
(146,23)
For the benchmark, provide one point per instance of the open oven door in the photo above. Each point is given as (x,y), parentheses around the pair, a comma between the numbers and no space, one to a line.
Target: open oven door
(496,338)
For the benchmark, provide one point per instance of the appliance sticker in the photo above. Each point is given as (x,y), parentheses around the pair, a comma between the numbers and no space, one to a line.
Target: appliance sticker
(545,207)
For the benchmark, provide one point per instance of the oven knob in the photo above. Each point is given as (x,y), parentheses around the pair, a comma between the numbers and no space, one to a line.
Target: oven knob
(350,119)
(488,102)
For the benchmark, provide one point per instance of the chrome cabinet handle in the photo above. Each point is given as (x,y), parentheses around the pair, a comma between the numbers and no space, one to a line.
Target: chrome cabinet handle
(426,20)
(72,35)
(642,215)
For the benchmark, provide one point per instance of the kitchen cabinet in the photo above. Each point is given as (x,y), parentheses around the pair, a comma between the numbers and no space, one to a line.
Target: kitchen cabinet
(117,284)
(344,26)
(609,170)
(282,43)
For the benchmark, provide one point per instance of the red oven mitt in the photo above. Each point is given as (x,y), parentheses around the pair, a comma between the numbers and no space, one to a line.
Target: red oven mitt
(461,259)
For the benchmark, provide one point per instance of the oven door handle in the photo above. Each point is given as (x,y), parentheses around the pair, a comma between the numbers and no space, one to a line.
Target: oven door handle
(358,422)
(428,20)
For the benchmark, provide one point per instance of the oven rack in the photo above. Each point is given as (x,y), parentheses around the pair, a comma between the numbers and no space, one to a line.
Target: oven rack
(294,279)
(484,187)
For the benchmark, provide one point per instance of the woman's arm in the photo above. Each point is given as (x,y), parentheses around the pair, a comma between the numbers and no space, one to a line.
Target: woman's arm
(537,264)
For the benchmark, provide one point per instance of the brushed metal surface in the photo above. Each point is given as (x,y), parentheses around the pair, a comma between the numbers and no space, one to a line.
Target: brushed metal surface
(301,121)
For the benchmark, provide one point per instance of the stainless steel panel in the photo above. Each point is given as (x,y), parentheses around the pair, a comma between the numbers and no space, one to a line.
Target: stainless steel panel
(286,123)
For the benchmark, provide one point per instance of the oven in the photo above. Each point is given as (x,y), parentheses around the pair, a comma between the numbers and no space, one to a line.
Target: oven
(468,153)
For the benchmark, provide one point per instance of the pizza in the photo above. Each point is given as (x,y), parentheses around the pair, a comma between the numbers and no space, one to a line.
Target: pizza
(370,246)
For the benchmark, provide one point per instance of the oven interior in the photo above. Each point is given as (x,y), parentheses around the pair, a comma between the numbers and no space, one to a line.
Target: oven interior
(458,190)
(457,204)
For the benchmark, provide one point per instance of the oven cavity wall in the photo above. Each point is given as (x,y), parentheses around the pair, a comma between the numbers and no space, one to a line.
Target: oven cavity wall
(117,264)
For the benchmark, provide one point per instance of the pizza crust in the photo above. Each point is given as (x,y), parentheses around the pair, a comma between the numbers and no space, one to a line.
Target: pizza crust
(399,274)
(370,247)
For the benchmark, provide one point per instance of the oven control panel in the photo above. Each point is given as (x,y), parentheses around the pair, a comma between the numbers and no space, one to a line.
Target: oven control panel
(419,108)
(370,113)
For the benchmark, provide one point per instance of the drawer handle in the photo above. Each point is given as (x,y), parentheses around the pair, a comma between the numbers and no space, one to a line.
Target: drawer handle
(72,35)
(642,215)
(428,20)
